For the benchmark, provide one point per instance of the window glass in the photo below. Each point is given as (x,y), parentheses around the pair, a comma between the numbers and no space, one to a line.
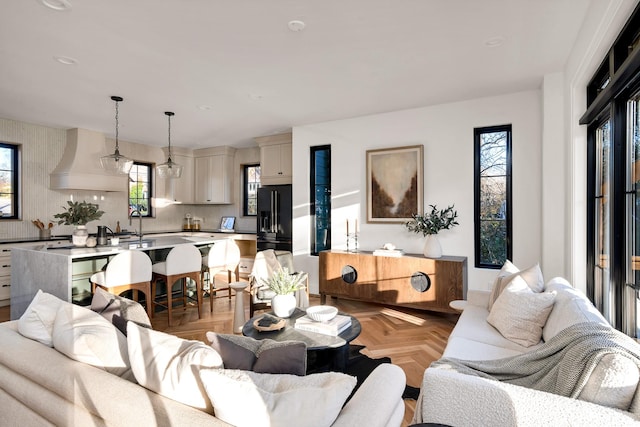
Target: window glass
(9,181)
(140,190)
(320,199)
(251,185)
(492,196)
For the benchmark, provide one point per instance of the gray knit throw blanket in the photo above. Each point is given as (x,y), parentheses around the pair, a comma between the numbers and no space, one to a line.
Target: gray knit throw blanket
(562,365)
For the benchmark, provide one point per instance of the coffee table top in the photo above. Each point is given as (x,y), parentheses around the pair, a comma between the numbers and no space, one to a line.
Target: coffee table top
(313,340)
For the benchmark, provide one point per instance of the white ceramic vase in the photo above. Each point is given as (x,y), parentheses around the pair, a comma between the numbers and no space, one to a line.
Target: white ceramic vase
(283,305)
(432,248)
(80,235)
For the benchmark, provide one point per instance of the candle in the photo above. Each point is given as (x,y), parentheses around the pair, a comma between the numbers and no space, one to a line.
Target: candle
(356,225)
(347,227)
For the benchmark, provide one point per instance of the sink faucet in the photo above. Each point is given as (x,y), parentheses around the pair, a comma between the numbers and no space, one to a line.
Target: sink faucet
(139,216)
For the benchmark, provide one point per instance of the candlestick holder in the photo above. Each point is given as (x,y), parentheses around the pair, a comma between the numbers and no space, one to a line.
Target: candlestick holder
(352,242)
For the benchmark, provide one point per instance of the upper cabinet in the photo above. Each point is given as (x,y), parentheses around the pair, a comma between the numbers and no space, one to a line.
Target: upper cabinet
(213,175)
(275,159)
(180,190)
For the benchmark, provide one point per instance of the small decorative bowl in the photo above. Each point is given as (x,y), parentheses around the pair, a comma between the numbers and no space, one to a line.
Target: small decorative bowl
(322,313)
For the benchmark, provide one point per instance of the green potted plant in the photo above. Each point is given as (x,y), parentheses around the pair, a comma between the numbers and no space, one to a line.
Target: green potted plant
(430,224)
(284,284)
(79,214)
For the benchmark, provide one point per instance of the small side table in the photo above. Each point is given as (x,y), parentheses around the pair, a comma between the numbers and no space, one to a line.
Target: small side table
(238,315)
(458,305)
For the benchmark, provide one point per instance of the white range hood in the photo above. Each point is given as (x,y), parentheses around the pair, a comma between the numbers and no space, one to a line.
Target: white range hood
(79,168)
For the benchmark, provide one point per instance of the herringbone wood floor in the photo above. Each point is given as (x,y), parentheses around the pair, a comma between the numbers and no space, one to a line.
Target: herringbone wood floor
(411,338)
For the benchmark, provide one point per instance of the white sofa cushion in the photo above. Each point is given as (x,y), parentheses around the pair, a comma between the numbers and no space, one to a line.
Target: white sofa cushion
(519,315)
(87,337)
(249,399)
(36,322)
(507,270)
(468,349)
(473,326)
(571,307)
(612,383)
(169,365)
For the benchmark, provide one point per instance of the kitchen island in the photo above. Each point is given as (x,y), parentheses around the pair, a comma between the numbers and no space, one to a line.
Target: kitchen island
(64,270)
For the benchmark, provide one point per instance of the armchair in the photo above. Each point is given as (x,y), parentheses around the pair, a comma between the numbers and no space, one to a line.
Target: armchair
(265,264)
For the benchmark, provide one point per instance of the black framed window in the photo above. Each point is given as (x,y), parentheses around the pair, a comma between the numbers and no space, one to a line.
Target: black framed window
(613,181)
(492,196)
(140,189)
(320,195)
(251,179)
(9,180)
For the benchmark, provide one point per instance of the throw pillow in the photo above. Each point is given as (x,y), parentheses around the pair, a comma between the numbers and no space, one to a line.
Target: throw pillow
(519,315)
(507,269)
(169,365)
(244,398)
(263,356)
(87,337)
(531,277)
(36,322)
(119,310)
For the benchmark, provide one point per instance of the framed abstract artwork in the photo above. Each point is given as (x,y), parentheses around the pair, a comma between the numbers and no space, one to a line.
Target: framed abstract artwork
(394,184)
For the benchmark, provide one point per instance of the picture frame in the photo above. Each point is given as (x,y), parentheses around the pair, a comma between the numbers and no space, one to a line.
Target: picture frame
(395,181)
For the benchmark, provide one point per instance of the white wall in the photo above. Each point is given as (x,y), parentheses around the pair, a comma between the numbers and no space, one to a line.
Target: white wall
(446,131)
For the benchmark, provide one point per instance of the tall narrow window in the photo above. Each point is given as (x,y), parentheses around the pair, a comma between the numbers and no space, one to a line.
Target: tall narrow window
(320,199)
(140,190)
(633,213)
(492,196)
(9,175)
(602,229)
(251,175)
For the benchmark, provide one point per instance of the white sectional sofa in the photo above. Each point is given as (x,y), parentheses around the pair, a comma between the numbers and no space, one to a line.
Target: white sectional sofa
(452,398)
(40,386)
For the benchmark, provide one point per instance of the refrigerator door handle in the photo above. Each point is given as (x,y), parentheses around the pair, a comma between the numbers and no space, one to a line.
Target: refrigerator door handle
(276,223)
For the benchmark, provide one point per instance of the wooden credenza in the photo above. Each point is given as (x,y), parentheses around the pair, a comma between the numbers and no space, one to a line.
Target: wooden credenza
(410,281)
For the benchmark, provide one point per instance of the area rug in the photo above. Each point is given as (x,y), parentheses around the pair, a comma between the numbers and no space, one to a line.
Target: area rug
(359,366)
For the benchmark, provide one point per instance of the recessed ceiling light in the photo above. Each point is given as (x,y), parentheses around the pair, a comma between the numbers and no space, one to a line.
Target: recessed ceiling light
(65,60)
(205,107)
(57,4)
(296,25)
(494,41)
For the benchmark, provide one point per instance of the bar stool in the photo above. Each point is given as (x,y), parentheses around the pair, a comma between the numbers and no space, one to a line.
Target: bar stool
(129,270)
(223,256)
(183,262)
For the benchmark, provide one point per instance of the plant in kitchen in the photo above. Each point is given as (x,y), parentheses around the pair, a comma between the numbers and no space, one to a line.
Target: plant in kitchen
(79,213)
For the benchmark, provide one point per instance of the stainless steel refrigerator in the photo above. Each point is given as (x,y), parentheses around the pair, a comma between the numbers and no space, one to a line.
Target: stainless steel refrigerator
(275,218)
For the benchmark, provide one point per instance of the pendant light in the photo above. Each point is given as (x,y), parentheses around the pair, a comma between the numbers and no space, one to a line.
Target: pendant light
(169,169)
(116,162)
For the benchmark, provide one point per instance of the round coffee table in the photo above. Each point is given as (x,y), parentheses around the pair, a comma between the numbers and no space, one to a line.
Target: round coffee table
(337,345)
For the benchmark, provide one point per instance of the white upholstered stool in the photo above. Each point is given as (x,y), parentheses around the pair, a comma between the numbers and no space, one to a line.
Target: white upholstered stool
(224,255)
(129,270)
(183,262)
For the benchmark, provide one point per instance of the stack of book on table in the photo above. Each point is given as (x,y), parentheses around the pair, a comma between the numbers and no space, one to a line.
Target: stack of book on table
(332,327)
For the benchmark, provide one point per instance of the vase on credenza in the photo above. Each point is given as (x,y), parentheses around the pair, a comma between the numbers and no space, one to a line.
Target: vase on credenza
(80,235)
(432,248)
(283,305)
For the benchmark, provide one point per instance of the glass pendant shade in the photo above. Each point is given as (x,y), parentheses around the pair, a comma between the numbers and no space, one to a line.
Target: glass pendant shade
(169,169)
(116,163)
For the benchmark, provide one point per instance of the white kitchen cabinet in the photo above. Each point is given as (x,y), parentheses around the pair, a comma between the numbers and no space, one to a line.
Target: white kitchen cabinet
(275,159)
(181,190)
(214,175)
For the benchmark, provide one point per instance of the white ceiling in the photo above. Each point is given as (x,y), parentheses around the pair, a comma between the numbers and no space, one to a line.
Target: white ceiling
(256,77)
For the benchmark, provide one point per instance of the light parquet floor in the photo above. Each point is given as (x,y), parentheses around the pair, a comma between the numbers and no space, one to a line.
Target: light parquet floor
(411,338)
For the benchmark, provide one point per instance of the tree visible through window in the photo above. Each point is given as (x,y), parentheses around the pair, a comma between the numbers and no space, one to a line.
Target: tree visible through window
(251,185)
(140,189)
(492,196)
(9,181)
